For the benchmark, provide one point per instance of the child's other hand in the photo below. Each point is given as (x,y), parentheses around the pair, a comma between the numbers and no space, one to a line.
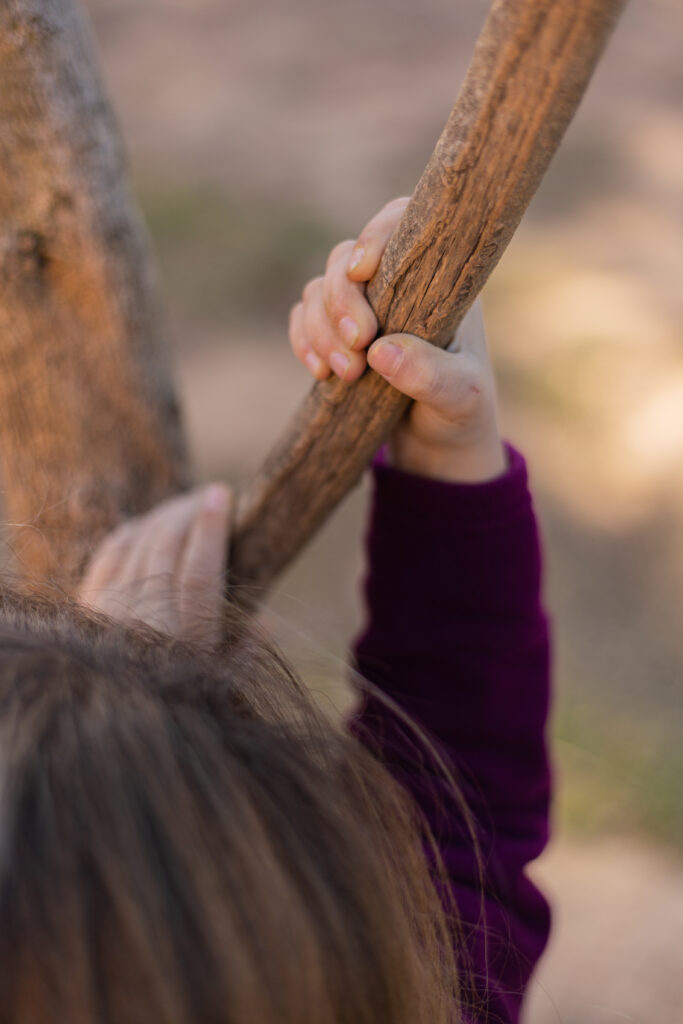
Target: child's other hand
(166,568)
(451,430)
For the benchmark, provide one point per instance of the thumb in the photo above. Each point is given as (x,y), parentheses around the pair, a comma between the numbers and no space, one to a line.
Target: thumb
(442,380)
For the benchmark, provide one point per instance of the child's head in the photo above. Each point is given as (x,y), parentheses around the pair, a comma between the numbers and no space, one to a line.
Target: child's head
(183,839)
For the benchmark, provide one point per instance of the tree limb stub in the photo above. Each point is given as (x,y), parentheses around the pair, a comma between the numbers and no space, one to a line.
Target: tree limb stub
(88,419)
(530,68)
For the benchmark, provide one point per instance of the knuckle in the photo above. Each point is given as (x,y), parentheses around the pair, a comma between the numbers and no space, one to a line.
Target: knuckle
(340,250)
(356,366)
(299,344)
(318,337)
(311,289)
(441,389)
(335,306)
(295,315)
(369,324)
(323,344)
(431,381)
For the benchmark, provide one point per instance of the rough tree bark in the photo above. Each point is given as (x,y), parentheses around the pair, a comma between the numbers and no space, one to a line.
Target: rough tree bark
(88,420)
(89,429)
(530,68)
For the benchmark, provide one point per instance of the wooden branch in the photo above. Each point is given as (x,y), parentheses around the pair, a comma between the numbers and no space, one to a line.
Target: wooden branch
(530,68)
(89,425)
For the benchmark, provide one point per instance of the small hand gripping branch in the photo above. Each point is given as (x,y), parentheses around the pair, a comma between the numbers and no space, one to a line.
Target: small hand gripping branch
(89,429)
(530,68)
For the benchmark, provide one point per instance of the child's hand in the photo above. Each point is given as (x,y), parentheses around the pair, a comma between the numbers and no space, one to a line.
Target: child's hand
(451,430)
(166,568)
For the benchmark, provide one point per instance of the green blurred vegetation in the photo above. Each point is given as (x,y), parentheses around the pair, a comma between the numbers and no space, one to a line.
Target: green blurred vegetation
(230,259)
(560,383)
(617,773)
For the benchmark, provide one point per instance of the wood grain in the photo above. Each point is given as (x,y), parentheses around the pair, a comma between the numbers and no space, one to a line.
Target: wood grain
(89,424)
(530,68)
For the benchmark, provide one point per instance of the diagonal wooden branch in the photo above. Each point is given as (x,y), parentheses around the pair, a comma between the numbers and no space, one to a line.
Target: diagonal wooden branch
(88,421)
(530,68)
(87,414)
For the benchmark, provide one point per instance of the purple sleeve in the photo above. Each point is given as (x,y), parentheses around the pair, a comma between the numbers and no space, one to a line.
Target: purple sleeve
(457,637)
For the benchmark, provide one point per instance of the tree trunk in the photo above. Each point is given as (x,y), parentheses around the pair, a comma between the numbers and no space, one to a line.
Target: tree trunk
(531,66)
(89,423)
(89,426)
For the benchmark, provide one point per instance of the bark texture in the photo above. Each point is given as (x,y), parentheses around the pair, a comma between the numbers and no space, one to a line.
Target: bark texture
(88,420)
(530,68)
(89,428)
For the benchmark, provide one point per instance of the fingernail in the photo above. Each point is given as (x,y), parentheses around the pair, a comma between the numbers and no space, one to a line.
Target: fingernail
(356,257)
(314,363)
(340,364)
(216,498)
(385,356)
(349,330)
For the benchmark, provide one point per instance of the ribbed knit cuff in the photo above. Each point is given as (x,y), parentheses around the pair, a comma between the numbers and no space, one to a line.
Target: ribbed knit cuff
(438,504)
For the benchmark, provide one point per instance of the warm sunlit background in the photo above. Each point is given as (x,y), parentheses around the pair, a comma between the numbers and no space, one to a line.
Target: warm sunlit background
(262,132)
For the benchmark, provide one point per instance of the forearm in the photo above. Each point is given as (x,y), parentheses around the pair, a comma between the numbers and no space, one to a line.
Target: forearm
(457,637)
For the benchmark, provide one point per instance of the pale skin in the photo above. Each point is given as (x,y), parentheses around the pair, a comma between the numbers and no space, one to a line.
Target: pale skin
(166,568)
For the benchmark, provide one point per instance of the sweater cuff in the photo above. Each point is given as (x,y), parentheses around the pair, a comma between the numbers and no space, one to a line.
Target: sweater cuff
(405,497)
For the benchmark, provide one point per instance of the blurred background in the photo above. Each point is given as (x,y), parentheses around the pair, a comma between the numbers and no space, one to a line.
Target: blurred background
(261,133)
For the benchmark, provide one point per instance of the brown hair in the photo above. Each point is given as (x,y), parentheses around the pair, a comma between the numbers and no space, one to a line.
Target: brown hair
(185,840)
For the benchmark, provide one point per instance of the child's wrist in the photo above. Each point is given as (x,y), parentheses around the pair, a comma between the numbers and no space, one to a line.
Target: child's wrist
(473,462)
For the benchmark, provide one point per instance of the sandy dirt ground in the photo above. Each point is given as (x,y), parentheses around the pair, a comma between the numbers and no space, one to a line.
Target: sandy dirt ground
(337,106)
(615,955)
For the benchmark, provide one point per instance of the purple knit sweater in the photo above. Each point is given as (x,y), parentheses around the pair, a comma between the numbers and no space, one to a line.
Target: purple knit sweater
(456,635)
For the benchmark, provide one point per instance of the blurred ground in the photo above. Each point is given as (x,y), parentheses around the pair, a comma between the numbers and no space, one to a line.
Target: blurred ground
(260,133)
